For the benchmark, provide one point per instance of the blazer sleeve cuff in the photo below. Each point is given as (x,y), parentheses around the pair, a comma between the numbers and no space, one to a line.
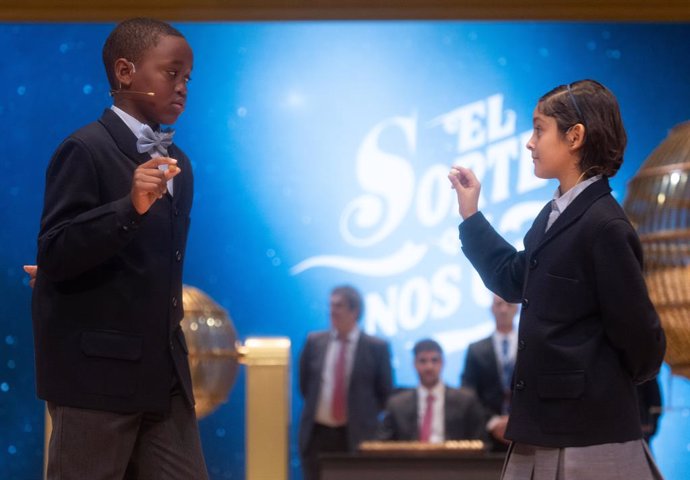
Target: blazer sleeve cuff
(128,219)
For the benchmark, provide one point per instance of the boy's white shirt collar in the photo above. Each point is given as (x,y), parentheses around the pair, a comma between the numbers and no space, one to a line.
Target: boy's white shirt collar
(135,126)
(131,122)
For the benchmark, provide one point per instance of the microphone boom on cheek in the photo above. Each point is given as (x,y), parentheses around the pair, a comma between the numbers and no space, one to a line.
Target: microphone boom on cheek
(133,92)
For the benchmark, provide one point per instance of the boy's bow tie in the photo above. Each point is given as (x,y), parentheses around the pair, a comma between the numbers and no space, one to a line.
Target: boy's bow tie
(149,140)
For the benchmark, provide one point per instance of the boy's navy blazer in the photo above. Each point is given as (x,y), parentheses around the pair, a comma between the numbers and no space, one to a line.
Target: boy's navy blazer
(107,303)
(588,330)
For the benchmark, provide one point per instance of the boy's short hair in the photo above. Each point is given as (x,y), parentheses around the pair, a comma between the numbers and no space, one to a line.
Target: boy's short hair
(352,297)
(427,345)
(593,105)
(130,39)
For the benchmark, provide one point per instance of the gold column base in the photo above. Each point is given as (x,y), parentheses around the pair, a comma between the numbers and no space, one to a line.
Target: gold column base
(267,407)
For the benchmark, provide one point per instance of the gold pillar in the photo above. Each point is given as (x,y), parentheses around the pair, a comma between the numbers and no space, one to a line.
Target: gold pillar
(267,407)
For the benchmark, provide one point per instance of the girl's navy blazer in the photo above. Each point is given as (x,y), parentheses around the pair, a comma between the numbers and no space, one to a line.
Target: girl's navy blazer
(588,330)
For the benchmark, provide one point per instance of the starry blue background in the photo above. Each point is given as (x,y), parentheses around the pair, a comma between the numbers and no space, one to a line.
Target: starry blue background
(276,114)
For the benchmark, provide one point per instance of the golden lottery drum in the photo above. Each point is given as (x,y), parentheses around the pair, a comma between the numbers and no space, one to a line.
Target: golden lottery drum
(658,204)
(211,340)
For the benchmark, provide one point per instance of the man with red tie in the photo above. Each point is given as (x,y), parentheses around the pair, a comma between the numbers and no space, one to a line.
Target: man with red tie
(345,378)
(432,412)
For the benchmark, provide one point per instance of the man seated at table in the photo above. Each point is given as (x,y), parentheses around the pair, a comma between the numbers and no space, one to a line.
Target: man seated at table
(432,412)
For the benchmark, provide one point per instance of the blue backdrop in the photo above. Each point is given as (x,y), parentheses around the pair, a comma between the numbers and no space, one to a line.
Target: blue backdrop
(320,152)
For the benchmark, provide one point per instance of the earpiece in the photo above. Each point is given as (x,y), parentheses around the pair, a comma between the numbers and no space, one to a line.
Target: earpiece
(133,92)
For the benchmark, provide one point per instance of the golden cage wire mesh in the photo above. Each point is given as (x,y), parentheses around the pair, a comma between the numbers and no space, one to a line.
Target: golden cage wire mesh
(658,204)
(211,341)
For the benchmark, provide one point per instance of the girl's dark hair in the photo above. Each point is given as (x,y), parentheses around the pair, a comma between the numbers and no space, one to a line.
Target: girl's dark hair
(130,39)
(594,106)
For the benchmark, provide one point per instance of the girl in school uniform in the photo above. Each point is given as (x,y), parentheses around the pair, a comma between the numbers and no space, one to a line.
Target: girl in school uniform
(588,330)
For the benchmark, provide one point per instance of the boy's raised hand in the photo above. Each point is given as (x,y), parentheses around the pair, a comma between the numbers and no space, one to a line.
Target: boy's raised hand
(150,183)
(31,270)
(467,188)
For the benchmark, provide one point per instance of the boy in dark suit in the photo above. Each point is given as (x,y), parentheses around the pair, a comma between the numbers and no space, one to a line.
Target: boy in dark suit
(111,359)
(432,412)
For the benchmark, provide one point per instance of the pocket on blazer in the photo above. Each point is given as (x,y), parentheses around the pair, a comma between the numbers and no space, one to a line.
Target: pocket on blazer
(561,406)
(564,299)
(111,362)
(561,385)
(115,345)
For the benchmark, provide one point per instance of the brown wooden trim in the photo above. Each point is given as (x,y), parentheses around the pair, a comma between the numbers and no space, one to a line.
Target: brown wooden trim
(660,170)
(665,235)
(200,10)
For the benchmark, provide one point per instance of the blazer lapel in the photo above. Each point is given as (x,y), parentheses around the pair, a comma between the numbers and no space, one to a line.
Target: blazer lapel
(536,231)
(450,425)
(576,209)
(357,364)
(411,415)
(493,362)
(177,179)
(322,347)
(123,136)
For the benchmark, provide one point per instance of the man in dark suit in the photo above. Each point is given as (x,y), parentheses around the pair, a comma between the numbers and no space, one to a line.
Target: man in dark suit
(111,359)
(432,412)
(489,368)
(345,378)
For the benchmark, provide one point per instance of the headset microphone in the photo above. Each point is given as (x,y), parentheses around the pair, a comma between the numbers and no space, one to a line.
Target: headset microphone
(134,92)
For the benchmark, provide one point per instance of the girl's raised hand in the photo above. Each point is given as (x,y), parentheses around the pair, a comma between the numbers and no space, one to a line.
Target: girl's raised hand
(467,188)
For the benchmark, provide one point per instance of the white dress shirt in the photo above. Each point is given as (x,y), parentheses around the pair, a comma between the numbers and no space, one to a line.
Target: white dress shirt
(561,202)
(438,429)
(324,416)
(497,339)
(135,126)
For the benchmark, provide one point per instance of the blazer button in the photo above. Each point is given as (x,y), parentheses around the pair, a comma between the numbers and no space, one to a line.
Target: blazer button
(525,303)
(521,345)
(177,211)
(178,256)
(172,345)
(174,302)
(520,385)
(533,263)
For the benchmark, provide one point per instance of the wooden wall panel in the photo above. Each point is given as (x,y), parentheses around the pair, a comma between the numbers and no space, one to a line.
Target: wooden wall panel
(111,10)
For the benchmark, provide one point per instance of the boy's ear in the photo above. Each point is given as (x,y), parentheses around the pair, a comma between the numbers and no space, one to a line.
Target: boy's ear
(576,136)
(124,69)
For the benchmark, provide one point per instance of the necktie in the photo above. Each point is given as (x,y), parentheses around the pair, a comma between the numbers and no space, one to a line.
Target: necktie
(507,373)
(339,400)
(507,364)
(427,420)
(553,215)
(157,141)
